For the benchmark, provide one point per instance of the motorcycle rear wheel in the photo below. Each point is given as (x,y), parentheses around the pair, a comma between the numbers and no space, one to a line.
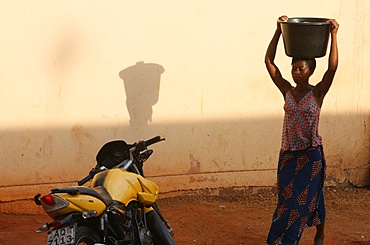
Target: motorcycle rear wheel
(86,236)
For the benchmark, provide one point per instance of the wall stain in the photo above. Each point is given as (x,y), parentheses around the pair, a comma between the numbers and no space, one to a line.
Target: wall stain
(202,179)
(46,149)
(194,165)
(80,135)
(216,163)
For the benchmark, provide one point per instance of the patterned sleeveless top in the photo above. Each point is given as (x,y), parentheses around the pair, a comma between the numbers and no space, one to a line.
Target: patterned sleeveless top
(301,121)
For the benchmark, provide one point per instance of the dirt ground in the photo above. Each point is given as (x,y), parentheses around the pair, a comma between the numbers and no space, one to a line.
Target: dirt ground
(229,218)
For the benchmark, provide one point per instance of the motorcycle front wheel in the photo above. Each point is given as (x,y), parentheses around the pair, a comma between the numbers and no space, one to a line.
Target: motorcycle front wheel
(86,236)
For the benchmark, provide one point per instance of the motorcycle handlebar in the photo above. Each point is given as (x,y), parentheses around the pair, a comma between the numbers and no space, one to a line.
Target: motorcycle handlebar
(153,140)
(142,145)
(84,180)
(91,175)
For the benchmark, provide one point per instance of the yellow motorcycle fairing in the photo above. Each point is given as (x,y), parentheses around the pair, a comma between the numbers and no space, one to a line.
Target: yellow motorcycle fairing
(124,186)
(78,203)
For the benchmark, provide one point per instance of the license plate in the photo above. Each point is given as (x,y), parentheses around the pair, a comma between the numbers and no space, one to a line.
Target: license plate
(61,236)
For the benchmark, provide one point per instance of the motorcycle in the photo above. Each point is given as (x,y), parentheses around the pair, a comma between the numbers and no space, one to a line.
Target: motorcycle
(118,208)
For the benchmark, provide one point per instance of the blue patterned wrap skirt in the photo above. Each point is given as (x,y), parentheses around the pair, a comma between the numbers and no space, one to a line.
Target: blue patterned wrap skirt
(300,181)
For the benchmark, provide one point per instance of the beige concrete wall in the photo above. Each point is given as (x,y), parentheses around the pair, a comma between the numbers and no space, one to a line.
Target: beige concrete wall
(76,74)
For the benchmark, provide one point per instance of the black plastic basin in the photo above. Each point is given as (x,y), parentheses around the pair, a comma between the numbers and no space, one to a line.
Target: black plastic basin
(305,37)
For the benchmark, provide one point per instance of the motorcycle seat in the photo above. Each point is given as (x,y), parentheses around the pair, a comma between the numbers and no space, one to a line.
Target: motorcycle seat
(99,192)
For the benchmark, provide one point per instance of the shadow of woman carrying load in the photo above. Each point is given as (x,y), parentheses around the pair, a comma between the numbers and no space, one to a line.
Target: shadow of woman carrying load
(141,83)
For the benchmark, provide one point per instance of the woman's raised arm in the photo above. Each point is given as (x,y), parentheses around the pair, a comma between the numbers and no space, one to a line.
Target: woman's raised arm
(323,87)
(273,70)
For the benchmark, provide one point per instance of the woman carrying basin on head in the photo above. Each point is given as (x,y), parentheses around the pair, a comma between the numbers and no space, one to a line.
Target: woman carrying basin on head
(301,166)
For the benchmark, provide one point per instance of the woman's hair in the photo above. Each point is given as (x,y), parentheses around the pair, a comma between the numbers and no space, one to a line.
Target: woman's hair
(311,62)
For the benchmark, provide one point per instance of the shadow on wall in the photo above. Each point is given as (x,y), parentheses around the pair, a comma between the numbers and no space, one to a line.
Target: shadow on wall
(142,82)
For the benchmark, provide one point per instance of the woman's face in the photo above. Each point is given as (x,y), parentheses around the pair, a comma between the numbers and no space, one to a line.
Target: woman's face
(301,72)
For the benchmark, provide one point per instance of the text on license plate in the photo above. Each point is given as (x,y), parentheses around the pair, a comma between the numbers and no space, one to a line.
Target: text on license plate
(62,236)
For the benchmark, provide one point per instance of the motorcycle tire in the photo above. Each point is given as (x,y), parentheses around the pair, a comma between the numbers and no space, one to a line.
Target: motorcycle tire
(161,235)
(86,236)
